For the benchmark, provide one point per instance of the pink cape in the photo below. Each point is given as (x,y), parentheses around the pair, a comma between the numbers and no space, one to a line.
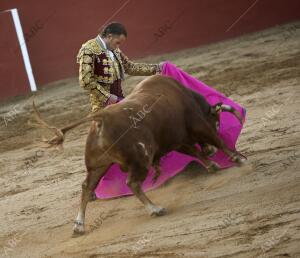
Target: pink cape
(113,184)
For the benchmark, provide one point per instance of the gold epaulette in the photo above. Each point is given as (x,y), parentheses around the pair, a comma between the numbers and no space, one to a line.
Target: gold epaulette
(89,47)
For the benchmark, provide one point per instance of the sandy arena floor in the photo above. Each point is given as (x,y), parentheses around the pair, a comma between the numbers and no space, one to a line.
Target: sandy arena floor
(251,211)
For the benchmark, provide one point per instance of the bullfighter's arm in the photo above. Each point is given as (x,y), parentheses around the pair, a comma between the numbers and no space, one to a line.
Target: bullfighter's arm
(142,69)
(87,78)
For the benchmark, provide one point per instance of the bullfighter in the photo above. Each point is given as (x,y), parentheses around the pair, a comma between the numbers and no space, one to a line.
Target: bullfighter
(102,66)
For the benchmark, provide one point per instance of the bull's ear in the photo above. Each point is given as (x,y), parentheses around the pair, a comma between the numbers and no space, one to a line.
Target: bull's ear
(215,109)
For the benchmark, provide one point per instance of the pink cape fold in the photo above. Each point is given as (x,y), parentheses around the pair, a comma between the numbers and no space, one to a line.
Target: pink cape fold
(113,184)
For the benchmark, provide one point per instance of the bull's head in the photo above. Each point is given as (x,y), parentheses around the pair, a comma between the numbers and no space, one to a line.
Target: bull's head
(220,107)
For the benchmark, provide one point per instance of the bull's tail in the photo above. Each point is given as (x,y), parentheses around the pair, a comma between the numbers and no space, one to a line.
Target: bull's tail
(60,133)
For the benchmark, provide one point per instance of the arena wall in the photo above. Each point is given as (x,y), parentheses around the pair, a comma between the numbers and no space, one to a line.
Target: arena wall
(54,30)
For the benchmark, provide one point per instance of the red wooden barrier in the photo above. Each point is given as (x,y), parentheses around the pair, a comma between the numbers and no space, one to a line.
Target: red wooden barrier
(13,77)
(55,29)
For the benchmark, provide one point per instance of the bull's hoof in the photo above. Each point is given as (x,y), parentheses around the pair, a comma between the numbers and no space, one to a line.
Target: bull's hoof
(209,150)
(93,197)
(239,160)
(158,211)
(78,228)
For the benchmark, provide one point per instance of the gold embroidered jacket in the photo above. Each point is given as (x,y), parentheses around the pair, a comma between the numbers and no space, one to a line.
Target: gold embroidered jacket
(102,76)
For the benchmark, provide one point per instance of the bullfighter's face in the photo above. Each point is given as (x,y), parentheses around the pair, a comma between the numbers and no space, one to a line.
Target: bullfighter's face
(114,41)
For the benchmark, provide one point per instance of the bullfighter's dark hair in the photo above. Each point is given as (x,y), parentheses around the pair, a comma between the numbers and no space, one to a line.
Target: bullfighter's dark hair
(114,28)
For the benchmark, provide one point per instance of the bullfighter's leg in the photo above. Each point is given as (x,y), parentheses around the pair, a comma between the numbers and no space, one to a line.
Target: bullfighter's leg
(88,187)
(134,182)
(193,151)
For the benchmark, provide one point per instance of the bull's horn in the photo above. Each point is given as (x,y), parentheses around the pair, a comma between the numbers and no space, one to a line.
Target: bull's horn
(232,110)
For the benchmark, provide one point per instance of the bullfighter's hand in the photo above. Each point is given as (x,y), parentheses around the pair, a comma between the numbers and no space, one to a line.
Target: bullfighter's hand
(160,65)
(112,99)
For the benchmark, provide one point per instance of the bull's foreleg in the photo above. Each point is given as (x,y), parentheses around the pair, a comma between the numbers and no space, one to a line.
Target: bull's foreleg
(234,155)
(193,151)
(204,133)
(135,186)
(88,187)
(216,141)
(208,150)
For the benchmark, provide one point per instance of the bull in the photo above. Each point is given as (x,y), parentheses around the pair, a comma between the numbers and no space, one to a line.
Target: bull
(159,116)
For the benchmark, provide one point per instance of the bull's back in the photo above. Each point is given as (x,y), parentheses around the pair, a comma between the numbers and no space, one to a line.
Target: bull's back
(164,96)
(158,84)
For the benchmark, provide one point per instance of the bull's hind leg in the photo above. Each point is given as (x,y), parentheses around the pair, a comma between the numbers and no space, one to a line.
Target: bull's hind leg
(134,181)
(88,187)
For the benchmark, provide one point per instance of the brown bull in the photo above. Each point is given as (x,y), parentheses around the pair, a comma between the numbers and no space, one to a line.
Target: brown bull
(159,116)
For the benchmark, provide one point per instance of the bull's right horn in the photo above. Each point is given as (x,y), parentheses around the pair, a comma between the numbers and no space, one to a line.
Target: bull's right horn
(232,110)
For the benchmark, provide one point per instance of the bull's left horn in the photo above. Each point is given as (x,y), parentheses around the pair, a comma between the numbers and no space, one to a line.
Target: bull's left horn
(232,110)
